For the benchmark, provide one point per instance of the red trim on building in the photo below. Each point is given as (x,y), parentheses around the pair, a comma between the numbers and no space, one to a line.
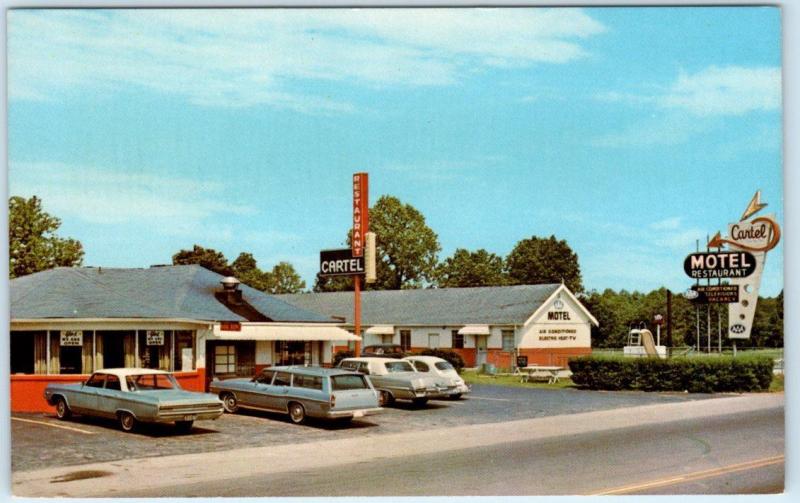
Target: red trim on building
(552,356)
(27,391)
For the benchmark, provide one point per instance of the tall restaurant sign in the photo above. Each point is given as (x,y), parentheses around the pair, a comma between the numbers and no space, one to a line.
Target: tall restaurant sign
(757,236)
(360,212)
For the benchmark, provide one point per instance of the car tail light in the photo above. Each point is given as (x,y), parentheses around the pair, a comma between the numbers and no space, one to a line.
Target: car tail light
(333,401)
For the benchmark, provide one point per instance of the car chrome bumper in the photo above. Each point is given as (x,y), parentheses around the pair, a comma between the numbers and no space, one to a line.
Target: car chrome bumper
(167,417)
(353,412)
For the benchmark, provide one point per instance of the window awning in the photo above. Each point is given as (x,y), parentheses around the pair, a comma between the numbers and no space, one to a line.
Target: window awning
(276,332)
(474,330)
(381,330)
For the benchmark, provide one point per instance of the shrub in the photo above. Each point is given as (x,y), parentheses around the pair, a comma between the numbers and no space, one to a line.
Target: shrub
(446,354)
(704,374)
(341,355)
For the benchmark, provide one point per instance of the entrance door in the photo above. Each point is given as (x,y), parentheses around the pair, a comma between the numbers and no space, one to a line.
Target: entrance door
(480,345)
(293,352)
(113,349)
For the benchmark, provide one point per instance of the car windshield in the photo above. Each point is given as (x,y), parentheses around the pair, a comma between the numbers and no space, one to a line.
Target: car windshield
(348,381)
(444,366)
(399,367)
(140,382)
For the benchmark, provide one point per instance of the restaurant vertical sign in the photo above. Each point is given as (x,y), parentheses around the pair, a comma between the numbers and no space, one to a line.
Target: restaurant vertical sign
(360,212)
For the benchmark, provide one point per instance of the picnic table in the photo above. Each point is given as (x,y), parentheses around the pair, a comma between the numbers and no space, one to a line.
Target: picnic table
(539,372)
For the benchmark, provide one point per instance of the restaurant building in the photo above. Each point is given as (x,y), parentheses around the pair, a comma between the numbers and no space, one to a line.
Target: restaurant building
(68,322)
(546,323)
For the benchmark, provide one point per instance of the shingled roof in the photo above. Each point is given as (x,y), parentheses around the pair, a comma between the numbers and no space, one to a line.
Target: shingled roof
(181,291)
(498,305)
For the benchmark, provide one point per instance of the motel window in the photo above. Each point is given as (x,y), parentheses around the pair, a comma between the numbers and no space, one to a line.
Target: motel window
(405,339)
(458,339)
(508,340)
(433,341)
(225,359)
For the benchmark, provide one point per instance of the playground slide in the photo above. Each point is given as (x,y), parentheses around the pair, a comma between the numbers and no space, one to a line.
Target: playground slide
(647,342)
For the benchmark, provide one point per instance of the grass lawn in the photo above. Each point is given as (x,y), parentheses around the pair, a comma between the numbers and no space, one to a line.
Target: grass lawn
(472,377)
(776,385)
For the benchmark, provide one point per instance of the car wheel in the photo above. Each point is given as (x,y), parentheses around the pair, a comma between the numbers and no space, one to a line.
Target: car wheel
(297,413)
(184,426)
(127,422)
(419,401)
(229,402)
(385,398)
(62,409)
(456,396)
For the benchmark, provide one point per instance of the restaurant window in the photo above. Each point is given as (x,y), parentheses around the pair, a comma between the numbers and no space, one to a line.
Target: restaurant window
(22,352)
(433,341)
(154,349)
(184,356)
(458,339)
(70,358)
(293,352)
(508,340)
(225,359)
(405,339)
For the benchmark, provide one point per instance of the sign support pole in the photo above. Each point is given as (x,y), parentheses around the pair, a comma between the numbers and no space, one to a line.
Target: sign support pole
(357,311)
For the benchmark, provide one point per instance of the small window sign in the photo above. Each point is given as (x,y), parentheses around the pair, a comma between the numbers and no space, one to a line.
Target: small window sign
(155,337)
(72,337)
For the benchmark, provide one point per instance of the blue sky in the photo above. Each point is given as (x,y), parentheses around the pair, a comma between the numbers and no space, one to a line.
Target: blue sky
(629,132)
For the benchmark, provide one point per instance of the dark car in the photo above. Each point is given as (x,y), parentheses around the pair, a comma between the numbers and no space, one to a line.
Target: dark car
(384,351)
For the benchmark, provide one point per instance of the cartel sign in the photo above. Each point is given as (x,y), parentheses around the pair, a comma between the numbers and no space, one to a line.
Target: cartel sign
(340,263)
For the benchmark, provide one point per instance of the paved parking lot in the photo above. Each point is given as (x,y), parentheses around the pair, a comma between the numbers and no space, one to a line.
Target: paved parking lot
(40,440)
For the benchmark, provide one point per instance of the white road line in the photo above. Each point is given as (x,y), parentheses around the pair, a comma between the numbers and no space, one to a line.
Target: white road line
(495,399)
(85,432)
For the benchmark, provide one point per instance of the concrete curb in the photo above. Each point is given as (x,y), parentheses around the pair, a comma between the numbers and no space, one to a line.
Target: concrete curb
(132,474)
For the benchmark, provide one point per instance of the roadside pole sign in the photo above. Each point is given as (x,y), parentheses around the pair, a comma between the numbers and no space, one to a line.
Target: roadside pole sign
(340,263)
(755,236)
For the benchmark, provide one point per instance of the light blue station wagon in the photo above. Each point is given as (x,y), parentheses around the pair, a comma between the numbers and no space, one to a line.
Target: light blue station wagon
(301,392)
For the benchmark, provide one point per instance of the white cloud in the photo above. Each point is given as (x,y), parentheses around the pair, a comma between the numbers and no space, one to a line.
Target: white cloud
(247,57)
(713,91)
(731,90)
(167,204)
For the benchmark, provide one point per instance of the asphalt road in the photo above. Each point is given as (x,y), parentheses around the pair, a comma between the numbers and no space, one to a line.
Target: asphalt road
(738,453)
(41,441)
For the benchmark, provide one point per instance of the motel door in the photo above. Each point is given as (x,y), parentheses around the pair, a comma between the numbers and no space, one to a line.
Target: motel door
(480,345)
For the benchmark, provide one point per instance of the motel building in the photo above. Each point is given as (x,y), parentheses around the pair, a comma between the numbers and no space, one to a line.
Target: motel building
(493,325)
(68,322)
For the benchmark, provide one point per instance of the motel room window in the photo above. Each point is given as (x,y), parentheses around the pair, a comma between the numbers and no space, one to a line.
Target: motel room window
(225,359)
(458,339)
(508,340)
(405,339)
(433,341)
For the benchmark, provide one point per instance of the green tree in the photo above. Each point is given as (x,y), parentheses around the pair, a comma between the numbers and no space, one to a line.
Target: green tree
(465,268)
(206,257)
(544,260)
(246,270)
(33,244)
(284,279)
(407,249)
